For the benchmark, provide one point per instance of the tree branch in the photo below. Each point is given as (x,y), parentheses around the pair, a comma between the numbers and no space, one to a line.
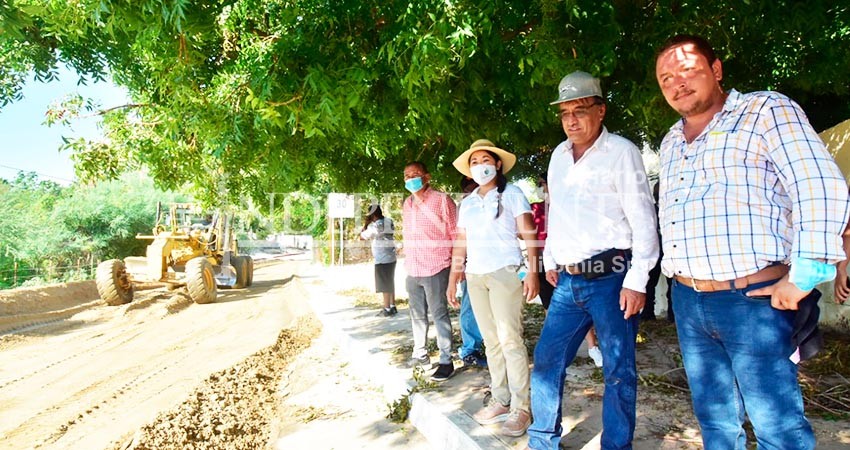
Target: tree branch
(293,99)
(103,112)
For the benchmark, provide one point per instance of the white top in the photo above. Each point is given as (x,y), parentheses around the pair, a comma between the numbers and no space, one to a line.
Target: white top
(600,202)
(492,243)
(383,243)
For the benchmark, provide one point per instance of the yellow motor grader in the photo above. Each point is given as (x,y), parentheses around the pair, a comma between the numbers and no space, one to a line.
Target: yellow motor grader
(189,249)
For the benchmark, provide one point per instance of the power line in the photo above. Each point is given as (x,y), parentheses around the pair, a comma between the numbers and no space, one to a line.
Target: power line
(37,173)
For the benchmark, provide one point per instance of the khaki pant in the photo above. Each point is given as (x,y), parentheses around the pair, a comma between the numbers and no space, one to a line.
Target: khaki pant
(497,303)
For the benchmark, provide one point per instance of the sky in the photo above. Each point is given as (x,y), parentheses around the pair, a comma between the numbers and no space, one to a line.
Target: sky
(28,145)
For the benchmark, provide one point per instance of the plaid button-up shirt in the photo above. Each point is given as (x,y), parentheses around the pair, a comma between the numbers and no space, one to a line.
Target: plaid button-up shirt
(429,232)
(757,186)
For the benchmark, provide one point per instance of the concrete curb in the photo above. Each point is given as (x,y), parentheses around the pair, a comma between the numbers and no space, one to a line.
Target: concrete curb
(443,425)
(363,360)
(448,429)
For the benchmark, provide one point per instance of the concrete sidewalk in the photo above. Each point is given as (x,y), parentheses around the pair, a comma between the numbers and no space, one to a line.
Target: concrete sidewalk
(371,345)
(378,348)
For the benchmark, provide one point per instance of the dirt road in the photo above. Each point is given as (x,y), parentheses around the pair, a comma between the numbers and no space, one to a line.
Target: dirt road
(90,381)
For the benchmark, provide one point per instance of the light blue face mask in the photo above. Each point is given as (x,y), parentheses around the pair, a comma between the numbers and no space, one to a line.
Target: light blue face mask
(414,184)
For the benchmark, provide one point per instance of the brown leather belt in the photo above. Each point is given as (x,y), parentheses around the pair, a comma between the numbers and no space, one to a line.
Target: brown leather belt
(769,273)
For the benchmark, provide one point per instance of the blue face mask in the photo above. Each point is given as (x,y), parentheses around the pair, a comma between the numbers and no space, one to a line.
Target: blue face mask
(414,184)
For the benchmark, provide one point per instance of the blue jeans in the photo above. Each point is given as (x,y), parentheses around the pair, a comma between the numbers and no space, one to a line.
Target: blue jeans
(469,333)
(576,305)
(735,349)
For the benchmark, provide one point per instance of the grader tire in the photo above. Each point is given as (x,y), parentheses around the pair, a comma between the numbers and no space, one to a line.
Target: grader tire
(112,283)
(249,278)
(240,266)
(200,281)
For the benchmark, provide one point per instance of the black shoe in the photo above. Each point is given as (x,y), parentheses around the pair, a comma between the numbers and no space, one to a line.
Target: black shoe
(475,359)
(384,313)
(393,311)
(443,372)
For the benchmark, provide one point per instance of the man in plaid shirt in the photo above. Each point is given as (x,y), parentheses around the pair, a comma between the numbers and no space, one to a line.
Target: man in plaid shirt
(429,218)
(747,189)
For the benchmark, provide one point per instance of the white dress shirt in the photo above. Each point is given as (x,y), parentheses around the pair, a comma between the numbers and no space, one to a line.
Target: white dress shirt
(600,202)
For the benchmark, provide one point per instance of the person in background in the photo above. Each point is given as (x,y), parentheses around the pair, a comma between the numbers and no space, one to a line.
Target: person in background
(648,312)
(429,218)
(593,347)
(489,221)
(471,351)
(538,210)
(747,187)
(600,247)
(380,231)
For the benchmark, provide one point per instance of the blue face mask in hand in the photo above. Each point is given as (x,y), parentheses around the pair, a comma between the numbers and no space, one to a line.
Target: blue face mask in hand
(808,273)
(414,184)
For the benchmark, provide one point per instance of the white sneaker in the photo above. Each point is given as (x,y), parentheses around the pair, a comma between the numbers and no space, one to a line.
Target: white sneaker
(595,355)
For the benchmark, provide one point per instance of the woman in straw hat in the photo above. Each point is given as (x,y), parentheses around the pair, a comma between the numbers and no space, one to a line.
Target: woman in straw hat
(489,220)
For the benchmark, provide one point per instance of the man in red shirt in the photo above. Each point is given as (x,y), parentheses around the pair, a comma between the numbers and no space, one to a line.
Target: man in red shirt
(429,218)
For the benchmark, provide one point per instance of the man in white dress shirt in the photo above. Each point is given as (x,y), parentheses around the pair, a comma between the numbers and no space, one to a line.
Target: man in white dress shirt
(600,247)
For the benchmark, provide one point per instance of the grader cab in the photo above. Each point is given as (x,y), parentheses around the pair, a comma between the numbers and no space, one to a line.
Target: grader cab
(188,248)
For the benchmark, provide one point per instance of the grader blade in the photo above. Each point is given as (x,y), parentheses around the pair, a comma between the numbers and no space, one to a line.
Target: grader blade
(225,275)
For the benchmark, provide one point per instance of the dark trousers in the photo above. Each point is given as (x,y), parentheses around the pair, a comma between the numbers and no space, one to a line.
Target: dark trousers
(648,312)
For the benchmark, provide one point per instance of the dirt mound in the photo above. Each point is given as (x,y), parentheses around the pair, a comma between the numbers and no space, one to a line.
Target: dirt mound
(31,300)
(34,306)
(234,408)
(29,306)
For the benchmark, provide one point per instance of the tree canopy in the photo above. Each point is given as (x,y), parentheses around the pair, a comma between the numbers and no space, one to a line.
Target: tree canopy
(250,97)
(59,232)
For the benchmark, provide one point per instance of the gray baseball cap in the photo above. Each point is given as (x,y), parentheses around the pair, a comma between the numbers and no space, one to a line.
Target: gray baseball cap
(577,85)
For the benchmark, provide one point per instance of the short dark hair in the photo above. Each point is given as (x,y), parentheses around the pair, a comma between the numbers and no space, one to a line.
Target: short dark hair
(543,176)
(701,46)
(466,183)
(418,164)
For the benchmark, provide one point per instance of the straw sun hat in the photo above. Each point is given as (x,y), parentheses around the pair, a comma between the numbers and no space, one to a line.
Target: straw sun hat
(461,163)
